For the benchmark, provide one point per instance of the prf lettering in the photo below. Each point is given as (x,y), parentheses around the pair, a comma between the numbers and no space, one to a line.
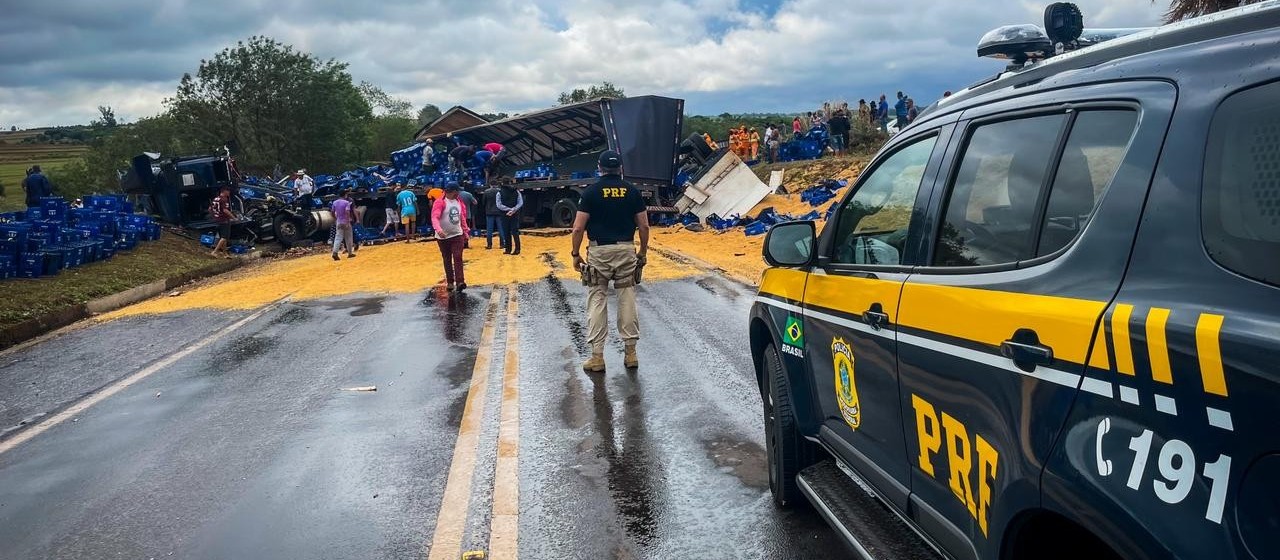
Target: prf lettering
(614,192)
(932,432)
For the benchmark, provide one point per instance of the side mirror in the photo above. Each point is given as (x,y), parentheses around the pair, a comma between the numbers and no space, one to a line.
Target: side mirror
(790,244)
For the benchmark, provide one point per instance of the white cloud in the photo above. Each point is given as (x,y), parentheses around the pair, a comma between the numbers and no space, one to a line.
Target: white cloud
(510,55)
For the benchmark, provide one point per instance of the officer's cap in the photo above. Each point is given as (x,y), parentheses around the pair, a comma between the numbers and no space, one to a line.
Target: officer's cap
(610,159)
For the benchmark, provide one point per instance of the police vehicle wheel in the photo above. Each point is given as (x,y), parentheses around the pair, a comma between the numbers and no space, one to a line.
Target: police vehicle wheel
(563,212)
(788,452)
(288,231)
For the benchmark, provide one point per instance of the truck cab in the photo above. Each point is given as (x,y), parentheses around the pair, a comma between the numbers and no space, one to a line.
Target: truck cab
(1045,317)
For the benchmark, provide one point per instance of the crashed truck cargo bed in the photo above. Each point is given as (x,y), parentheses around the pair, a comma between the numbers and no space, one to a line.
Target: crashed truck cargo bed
(729,188)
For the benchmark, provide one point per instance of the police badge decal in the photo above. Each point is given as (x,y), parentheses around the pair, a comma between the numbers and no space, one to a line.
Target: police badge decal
(846,390)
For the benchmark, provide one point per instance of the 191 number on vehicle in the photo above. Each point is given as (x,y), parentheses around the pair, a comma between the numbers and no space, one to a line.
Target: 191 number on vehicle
(1176,465)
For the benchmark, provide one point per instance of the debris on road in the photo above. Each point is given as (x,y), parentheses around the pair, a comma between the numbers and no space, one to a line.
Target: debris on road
(175,293)
(367,388)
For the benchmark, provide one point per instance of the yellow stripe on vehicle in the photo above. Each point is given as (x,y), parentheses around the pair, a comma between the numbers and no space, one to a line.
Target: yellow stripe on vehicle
(991,317)
(1157,348)
(1098,358)
(852,294)
(1120,338)
(1207,347)
(783,282)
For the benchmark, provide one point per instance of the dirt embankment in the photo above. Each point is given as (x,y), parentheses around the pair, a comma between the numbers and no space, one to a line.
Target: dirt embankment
(741,255)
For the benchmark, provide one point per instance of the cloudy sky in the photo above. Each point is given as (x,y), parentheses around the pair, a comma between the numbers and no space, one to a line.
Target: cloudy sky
(60,59)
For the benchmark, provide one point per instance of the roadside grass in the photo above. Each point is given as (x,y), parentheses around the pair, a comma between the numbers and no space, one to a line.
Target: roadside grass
(171,255)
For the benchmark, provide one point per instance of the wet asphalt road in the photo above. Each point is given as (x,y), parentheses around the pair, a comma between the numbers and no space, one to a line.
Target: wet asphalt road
(246,446)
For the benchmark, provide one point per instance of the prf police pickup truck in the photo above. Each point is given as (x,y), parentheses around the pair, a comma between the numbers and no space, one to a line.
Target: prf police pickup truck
(1045,321)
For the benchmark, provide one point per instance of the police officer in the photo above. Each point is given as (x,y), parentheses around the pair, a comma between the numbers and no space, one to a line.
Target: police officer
(610,213)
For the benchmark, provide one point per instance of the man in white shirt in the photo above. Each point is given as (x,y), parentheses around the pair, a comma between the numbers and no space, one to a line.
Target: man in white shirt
(303,186)
(428,152)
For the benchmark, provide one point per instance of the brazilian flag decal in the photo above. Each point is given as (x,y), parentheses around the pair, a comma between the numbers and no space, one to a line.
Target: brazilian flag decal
(793,334)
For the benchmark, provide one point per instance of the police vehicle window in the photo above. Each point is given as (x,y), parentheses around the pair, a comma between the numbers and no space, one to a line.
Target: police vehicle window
(1096,145)
(992,205)
(1241,197)
(872,225)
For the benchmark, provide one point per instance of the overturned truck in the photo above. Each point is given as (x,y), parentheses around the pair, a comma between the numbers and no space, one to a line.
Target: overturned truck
(551,154)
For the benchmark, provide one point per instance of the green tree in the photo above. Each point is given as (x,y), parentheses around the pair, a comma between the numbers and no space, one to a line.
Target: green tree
(427,114)
(1187,9)
(278,105)
(383,104)
(74,179)
(108,119)
(491,117)
(578,95)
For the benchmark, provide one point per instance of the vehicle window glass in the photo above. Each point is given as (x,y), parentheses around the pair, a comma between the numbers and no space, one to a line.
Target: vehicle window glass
(872,225)
(992,204)
(1241,197)
(1096,145)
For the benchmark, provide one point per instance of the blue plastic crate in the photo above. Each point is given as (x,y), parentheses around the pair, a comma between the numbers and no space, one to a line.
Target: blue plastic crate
(54,260)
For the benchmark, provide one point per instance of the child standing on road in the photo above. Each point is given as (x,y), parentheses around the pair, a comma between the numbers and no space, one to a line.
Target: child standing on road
(408,213)
(449,218)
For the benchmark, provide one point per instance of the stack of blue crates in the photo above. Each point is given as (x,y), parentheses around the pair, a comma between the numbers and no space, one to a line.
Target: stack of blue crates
(45,239)
(541,172)
(408,161)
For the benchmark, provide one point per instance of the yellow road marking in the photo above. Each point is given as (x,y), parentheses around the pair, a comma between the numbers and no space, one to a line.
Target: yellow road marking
(1157,348)
(1207,347)
(122,384)
(504,532)
(1120,338)
(446,541)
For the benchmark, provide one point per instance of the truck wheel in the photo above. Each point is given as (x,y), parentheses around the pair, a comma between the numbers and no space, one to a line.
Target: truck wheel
(788,452)
(563,212)
(288,231)
(375,217)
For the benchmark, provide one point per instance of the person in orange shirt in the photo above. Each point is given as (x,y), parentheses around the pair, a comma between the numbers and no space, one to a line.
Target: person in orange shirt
(710,143)
(754,140)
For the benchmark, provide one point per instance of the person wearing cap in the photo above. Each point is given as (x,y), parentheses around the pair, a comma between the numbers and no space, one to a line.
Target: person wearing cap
(303,186)
(428,153)
(449,218)
(610,213)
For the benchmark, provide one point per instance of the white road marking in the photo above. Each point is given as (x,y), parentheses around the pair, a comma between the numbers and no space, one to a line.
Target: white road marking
(124,383)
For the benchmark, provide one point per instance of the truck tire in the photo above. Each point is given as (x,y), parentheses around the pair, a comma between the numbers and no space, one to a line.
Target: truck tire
(375,217)
(288,231)
(563,212)
(787,451)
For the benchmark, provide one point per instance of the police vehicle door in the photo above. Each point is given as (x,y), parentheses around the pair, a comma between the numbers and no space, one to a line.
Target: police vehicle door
(850,308)
(1188,434)
(1028,244)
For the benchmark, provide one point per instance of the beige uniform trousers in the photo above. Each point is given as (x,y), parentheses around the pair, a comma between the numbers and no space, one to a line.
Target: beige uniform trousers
(616,262)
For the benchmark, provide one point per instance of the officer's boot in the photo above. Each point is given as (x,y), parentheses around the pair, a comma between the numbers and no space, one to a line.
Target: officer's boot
(629,357)
(595,364)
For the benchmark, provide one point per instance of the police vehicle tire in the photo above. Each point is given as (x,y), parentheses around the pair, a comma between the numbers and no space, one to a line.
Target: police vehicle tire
(788,452)
(563,212)
(288,231)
